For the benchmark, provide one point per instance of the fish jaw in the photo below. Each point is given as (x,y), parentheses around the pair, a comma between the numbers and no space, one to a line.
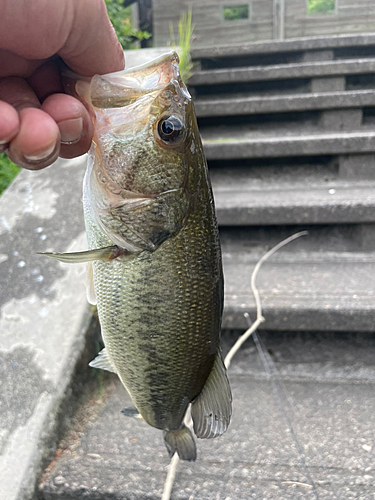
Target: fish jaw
(137,181)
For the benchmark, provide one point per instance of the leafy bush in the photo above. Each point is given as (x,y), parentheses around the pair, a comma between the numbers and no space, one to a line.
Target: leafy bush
(8,171)
(121,19)
(320,6)
(235,13)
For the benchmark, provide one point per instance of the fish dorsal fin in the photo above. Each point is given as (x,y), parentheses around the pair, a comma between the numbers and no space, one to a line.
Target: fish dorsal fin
(212,409)
(102,361)
(90,288)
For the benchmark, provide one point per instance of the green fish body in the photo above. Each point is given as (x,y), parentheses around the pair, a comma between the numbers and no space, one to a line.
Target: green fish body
(160,297)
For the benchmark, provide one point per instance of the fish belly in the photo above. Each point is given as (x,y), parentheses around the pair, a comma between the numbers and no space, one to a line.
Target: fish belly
(160,316)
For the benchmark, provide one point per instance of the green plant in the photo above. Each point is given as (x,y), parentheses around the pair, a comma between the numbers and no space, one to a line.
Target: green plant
(8,171)
(185,33)
(121,19)
(320,6)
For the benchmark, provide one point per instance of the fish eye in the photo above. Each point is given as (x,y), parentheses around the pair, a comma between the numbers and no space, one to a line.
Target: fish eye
(170,129)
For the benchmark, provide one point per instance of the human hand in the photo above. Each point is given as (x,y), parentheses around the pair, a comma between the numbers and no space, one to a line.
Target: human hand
(38,121)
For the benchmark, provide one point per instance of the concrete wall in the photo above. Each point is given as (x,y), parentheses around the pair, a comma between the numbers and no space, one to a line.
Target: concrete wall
(211,29)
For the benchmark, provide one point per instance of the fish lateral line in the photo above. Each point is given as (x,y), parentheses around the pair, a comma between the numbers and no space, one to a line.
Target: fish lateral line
(106,253)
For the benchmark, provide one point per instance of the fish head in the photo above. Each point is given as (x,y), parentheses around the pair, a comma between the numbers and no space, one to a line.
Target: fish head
(144,134)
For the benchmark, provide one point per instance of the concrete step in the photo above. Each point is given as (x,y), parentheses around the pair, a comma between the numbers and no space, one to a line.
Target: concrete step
(275,125)
(240,204)
(301,429)
(322,282)
(232,106)
(306,190)
(225,143)
(338,44)
(283,72)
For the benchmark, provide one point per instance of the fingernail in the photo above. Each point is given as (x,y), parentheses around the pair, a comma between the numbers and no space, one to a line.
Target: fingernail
(71,130)
(42,155)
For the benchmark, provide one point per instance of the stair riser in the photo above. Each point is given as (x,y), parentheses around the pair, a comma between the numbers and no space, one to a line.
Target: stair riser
(304,320)
(287,57)
(279,124)
(294,214)
(286,87)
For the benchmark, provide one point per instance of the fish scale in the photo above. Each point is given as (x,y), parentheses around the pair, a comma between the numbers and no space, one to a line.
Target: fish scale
(179,316)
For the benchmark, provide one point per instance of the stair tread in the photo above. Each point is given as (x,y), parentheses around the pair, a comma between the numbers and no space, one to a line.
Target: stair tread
(239,203)
(283,71)
(231,142)
(313,286)
(227,106)
(293,44)
(332,283)
(242,134)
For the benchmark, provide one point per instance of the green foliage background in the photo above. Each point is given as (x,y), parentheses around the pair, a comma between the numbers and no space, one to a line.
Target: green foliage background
(8,171)
(236,12)
(121,19)
(320,6)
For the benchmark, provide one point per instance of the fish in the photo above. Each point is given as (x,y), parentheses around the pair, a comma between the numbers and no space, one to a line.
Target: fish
(154,258)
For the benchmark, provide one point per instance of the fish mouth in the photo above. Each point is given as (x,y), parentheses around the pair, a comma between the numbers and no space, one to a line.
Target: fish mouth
(122,88)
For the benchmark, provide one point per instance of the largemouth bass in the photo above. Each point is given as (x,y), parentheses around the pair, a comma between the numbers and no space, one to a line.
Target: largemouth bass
(154,256)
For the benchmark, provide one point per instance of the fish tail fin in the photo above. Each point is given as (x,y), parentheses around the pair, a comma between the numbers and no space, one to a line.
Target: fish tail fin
(181,441)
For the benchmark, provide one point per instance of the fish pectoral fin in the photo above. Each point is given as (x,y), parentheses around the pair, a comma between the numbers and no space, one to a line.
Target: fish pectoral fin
(131,411)
(107,253)
(102,361)
(212,409)
(181,441)
(90,287)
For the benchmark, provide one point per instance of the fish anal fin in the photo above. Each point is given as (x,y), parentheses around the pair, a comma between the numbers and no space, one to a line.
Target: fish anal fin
(131,411)
(90,288)
(107,253)
(102,361)
(211,411)
(182,442)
